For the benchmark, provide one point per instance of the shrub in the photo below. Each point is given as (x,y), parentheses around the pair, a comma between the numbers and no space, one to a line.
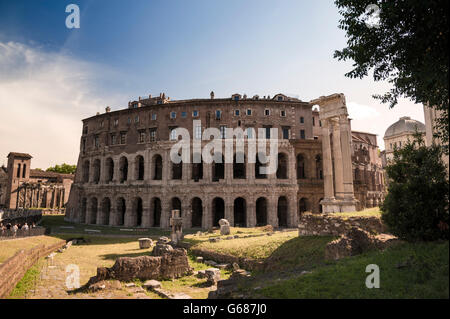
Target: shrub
(416,206)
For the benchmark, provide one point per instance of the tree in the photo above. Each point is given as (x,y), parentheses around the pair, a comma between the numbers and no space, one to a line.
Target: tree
(63,169)
(407,46)
(416,206)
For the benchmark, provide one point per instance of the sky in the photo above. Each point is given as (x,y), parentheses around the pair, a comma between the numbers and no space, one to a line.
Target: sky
(52,77)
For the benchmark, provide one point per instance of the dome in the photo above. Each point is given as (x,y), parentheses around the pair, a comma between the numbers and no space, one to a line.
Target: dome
(404,125)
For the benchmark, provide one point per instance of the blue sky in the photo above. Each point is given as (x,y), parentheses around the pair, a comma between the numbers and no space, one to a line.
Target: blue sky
(126,49)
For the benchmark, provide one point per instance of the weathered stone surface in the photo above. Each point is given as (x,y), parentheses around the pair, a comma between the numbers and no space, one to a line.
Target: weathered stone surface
(355,242)
(163,240)
(225,230)
(201,274)
(161,249)
(151,284)
(212,276)
(145,243)
(224,222)
(173,264)
(199,259)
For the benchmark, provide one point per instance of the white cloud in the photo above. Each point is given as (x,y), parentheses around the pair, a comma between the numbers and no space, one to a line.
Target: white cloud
(358,111)
(43,97)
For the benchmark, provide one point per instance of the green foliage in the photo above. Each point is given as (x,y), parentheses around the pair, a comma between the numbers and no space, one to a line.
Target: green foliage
(416,206)
(408,49)
(63,169)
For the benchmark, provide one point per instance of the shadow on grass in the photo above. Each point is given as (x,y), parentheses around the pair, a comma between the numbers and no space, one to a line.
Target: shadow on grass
(115,256)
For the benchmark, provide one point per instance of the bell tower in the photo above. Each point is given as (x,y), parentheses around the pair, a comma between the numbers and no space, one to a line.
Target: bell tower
(18,173)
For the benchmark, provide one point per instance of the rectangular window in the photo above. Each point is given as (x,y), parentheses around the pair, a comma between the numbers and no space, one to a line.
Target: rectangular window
(154,117)
(113,139)
(320,123)
(173,115)
(123,138)
(302,134)
(218,115)
(102,123)
(116,122)
(223,130)
(183,114)
(96,141)
(267,131)
(249,112)
(195,113)
(85,130)
(136,119)
(314,121)
(237,112)
(249,132)
(286,133)
(129,120)
(152,134)
(142,137)
(135,105)
(198,132)
(302,120)
(283,113)
(173,134)
(84,145)
(267,112)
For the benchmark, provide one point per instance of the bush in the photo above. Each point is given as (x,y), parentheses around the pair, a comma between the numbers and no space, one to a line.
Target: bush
(416,206)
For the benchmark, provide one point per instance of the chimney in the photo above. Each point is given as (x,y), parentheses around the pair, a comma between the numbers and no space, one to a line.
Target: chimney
(211,95)
(108,109)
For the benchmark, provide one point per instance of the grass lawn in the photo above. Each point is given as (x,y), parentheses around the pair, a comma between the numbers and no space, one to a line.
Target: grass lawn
(9,247)
(426,275)
(370,212)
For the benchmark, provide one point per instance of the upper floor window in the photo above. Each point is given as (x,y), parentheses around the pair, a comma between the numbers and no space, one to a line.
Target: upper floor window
(141,136)
(223,130)
(102,123)
(96,141)
(267,112)
(280,98)
(283,113)
(249,132)
(267,128)
(302,120)
(18,170)
(116,122)
(85,129)
(136,119)
(320,123)
(237,112)
(173,134)
(154,117)
(302,134)
(314,121)
(135,105)
(249,112)
(198,132)
(173,115)
(183,114)
(152,134)
(218,114)
(129,120)
(286,133)
(123,138)
(195,113)
(113,139)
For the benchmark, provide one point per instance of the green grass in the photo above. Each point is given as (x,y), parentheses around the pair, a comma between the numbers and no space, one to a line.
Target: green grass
(28,282)
(427,276)
(370,212)
(9,247)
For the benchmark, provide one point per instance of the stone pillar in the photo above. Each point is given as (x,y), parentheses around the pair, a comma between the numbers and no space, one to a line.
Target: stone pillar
(338,165)
(207,214)
(272,211)
(113,215)
(186,208)
(165,213)
(130,214)
(251,212)
(293,208)
(146,213)
(229,210)
(100,219)
(147,167)
(167,163)
(346,157)
(327,162)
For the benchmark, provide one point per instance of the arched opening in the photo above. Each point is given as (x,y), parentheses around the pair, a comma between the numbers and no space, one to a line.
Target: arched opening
(157,167)
(197,212)
(138,210)
(109,169)
(302,206)
(301,167)
(239,166)
(93,211)
(240,212)
(106,211)
(261,211)
(282,166)
(83,209)
(258,166)
(177,170)
(123,166)
(139,167)
(197,168)
(282,212)
(86,166)
(218,210)
(156,212)
(219,169)
(319,169)
(96,171)
(121,209)
(176,204)
(320,206)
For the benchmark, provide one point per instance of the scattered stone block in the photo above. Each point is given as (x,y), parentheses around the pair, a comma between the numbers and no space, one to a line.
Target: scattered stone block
(199,259)
(222,266)
(201,274)
(235,266)
(152,284)
(210,263)
(161,249)
(130,284)
(212,276)
(225,230)
(145,243)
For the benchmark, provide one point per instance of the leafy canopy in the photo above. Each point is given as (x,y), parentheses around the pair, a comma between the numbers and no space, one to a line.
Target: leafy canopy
(63,169)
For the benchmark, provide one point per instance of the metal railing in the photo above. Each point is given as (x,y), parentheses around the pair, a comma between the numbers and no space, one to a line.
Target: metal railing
(20,233)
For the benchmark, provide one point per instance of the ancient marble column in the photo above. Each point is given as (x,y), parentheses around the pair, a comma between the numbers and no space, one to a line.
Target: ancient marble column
(346,157)
(337,155)
(251,212)
(327,162)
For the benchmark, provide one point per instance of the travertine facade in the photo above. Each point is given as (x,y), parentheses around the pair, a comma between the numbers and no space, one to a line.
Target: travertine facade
(125,175)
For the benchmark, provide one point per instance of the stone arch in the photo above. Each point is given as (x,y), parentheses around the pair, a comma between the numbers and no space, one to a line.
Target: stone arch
(239,166)
(86,168)
(123,167)
(258,165)
(156,211)
(109,169)
(83,210)
(303,205)
(157,167)
(121,208)
(96,167)
(261,211)
(320,206)
(138,210)
(282,169)
(301,167)
(240,212)
(93,211)
(139,167)
(218,169)
(282,211)
(197,212)
(218,210)
(175,203)
(105,211)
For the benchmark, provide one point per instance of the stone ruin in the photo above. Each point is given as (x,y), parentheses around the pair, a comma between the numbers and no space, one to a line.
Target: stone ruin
(176,222)
(165,263)
(224,227)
